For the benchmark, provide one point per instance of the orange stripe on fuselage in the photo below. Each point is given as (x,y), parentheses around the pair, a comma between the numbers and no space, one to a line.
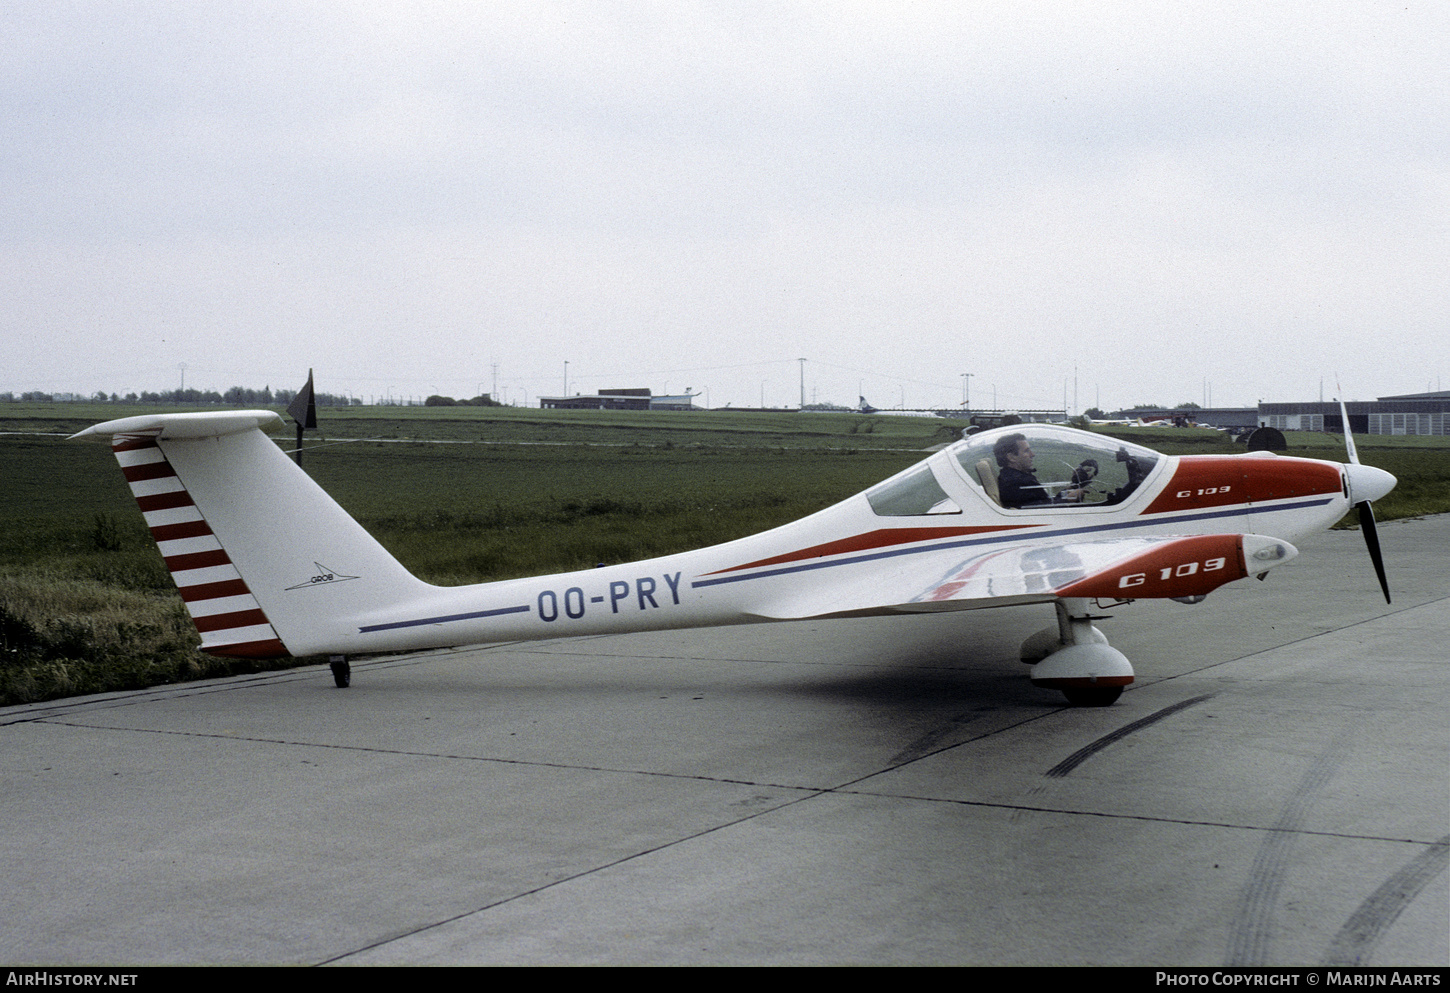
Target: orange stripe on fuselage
(1203,481)
(874,539)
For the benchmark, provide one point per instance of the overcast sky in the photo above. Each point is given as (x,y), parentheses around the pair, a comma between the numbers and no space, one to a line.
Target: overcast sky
(1152,200)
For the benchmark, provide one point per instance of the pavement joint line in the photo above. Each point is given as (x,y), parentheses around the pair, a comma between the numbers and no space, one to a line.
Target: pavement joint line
(622,860)
(52,709)
(49,709)
(843,789)
(404,753)
(811,795)
(60,720)
(1301,640)
(1032,809)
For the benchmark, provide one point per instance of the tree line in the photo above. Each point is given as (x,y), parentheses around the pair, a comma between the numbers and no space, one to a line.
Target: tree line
(236,396)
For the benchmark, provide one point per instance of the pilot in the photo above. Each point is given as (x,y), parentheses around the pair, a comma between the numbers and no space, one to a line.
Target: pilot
(1017,483)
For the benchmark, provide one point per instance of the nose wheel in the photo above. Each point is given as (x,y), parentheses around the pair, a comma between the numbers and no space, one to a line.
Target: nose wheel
(341,671)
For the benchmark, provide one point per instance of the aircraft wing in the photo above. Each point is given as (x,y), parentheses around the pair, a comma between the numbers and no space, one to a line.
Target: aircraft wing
(1038,572)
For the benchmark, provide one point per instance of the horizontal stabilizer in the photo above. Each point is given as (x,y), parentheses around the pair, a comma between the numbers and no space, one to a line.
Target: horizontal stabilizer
(209,424)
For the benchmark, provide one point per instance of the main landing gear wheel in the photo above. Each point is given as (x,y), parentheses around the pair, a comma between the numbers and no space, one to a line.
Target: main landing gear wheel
(1089,675)
(341,672)
(1093,696)
(1079,661)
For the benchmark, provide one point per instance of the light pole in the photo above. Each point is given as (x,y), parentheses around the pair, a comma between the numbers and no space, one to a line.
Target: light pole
(966,390)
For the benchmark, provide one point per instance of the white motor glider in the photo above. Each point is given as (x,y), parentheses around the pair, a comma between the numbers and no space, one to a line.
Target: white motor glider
(269,565)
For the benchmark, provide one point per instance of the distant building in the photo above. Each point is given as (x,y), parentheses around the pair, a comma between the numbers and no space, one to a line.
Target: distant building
(631,399)
(1410,413)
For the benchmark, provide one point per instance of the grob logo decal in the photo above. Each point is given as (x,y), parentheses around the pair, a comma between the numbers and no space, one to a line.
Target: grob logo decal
(322,577)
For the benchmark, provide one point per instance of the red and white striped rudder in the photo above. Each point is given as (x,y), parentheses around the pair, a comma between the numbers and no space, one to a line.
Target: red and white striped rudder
(225,612)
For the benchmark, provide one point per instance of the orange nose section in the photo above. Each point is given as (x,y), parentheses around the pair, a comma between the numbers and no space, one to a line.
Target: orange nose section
(1184,567)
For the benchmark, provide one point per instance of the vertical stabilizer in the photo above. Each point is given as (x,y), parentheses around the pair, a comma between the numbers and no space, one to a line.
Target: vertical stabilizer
(267,562)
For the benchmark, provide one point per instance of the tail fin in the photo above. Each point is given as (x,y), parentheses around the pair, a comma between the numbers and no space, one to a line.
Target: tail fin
(267,562)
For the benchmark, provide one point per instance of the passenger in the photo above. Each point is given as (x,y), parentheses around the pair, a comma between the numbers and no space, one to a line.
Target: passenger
(1016,482)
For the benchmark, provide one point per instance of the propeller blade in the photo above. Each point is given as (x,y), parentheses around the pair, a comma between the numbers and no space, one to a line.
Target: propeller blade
(1349,448)
(1372,542)
(1366,512)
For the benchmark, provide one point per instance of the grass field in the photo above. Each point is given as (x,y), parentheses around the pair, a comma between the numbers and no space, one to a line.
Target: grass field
(86,604)
(521,425)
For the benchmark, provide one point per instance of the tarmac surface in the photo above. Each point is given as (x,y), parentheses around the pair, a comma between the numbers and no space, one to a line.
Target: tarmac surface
(1274,790)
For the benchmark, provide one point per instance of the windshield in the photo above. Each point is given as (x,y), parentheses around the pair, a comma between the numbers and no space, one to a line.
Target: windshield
(1033,465)
(911,494)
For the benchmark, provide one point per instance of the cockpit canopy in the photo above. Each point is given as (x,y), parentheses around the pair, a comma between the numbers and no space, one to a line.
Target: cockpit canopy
(1071,468)
(1068,469)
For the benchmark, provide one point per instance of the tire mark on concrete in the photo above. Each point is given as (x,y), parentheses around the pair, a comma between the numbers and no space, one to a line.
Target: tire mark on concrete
(1357,939)
(931,741)
(1080,756)
(1253,927)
